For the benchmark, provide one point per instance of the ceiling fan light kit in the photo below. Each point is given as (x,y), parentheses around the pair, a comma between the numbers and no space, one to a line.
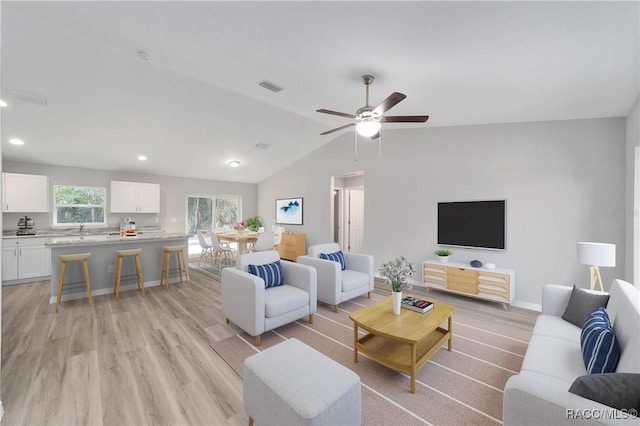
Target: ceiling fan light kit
(368,119)
(368,127)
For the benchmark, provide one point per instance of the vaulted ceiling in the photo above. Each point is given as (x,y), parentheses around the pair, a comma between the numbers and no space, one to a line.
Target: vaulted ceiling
(194,104)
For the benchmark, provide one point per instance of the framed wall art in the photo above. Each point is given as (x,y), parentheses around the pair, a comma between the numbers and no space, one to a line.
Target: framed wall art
(289,211)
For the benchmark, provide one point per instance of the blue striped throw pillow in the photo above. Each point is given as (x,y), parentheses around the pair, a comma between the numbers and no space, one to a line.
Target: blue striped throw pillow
(600,349)
(336,257)
(271,273)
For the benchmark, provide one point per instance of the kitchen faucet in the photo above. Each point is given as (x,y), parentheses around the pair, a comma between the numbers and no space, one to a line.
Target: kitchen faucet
(81,227)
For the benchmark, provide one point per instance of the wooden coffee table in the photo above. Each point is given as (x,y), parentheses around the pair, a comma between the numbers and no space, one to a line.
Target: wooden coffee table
(402,342)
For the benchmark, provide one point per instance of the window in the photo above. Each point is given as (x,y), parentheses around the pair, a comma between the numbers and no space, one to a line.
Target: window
(74,205)
(212,213)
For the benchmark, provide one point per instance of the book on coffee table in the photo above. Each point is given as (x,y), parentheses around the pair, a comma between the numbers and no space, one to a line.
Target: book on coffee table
(415,304)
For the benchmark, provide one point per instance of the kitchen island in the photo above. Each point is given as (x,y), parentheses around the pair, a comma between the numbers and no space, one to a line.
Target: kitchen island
(103,260)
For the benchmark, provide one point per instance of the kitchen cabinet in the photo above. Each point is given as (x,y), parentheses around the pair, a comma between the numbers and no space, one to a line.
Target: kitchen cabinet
(24,258)
(135,197)
(23,193)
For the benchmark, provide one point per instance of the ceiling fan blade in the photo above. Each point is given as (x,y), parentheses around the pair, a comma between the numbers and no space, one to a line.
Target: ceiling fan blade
(391,101)
(338,129)
(341,114)
(404,119)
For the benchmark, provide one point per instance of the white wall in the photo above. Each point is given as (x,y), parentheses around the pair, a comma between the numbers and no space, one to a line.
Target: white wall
(173,193)
(563,181)
(632,221)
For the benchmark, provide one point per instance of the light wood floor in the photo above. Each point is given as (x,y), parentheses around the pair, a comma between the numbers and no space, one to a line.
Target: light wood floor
(140,361)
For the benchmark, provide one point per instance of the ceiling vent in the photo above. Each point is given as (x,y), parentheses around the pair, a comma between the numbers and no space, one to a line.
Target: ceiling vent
(28,97)
(262,146)
(270,86)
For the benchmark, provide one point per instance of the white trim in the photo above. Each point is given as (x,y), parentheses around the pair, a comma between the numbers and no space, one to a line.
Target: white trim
(635,252)
(1,411)
(526,305)
(109,290)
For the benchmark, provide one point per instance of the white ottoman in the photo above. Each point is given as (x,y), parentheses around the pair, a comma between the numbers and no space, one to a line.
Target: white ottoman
(293,384)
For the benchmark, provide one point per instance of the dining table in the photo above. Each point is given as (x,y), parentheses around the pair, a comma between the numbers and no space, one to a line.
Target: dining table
(242,238)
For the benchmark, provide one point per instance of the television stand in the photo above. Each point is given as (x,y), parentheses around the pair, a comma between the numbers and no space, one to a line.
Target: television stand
(494,285)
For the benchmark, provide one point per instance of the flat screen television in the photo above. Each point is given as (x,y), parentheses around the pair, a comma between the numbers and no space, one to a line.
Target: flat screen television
(473,224)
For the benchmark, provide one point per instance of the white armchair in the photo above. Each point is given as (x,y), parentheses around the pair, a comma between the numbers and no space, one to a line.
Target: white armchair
(334,284)
(256,309)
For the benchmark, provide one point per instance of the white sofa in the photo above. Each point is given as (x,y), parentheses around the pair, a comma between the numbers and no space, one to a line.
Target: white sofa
(540,395)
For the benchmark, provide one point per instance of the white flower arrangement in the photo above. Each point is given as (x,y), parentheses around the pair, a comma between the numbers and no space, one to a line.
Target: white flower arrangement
(397,273)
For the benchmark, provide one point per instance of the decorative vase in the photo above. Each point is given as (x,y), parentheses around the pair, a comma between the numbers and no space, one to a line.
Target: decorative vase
(397,298)
(443,259)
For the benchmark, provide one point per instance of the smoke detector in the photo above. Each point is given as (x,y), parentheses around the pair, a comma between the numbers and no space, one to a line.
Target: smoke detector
(143,55)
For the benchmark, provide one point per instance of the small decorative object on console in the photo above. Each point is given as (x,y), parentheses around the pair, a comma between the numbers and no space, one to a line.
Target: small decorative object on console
(490,265)
(415,304)
(443,255)
(476,264)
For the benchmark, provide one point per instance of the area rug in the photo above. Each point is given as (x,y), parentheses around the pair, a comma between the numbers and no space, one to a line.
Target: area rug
(464,386)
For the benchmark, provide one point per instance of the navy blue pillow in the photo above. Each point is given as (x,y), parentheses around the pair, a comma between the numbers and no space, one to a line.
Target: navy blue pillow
(600,349)
(271,273)
(336,257)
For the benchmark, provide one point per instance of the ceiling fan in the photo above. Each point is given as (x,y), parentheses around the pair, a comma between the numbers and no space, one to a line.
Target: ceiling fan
(368,118)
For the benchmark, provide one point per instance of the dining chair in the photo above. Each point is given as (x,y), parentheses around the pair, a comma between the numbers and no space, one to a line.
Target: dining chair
(221,252)
(264,242)
(277,235)
(204,237)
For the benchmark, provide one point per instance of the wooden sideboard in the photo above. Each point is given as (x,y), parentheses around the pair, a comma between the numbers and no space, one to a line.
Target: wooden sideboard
(496,285)
(293,244)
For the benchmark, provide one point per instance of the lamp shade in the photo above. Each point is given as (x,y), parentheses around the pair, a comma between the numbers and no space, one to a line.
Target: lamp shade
(597,254)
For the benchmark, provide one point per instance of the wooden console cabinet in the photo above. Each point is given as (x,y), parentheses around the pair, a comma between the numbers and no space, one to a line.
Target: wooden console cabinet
(293,244)
(495,285)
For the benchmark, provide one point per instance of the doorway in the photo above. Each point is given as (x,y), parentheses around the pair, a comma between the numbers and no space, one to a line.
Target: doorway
(348,211)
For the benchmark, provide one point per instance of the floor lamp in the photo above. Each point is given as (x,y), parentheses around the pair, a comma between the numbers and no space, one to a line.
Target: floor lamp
(596,255)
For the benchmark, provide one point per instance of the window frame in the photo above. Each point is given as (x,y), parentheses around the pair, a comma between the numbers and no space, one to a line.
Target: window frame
(55,223)
(237,197)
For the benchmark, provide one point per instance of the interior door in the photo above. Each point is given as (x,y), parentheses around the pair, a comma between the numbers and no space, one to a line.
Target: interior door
(355,219)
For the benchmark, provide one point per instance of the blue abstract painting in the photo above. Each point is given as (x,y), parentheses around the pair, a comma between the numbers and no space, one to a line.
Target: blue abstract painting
(289,211)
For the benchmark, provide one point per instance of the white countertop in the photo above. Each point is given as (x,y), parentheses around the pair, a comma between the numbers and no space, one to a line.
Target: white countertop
(87,240)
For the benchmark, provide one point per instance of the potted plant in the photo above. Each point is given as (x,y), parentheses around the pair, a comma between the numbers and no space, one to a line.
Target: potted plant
(443,255)
(253,223)
(397,273)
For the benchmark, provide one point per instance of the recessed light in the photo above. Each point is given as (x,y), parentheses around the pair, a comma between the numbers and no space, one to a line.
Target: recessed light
(16,141)
(142,157)
(234,163)
(2,103)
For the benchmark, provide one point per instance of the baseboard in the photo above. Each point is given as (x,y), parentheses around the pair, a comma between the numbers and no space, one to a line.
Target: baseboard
(109,290)
(526,305)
